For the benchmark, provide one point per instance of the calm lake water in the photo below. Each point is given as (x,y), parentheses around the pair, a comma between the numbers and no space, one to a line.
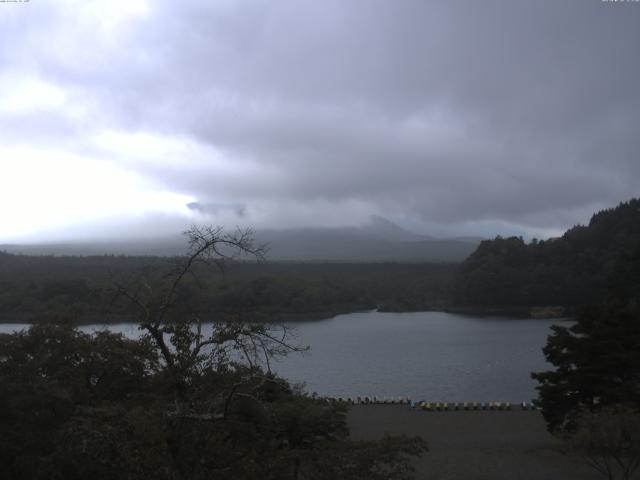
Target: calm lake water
(425,355)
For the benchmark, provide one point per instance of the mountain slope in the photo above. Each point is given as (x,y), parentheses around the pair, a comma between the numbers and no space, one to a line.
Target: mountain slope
(378,241)
(583,266)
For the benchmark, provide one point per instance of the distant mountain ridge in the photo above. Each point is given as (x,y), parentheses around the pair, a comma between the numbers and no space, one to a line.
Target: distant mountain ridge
(378,241)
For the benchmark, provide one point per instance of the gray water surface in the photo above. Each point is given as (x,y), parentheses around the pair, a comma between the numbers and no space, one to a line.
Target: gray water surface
(425,355)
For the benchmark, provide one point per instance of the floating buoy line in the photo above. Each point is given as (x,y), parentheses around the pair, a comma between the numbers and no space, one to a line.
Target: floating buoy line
(434,406)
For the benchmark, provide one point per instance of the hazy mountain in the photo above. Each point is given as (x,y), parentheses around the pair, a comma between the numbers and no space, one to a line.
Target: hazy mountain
(384,229)
(378,241)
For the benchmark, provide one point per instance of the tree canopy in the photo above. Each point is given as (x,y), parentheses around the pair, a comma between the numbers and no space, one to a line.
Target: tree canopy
(597,364)
(178,403)
(576,269)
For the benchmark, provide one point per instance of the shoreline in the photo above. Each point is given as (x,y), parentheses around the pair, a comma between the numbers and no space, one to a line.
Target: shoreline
(542,313)
(114,319)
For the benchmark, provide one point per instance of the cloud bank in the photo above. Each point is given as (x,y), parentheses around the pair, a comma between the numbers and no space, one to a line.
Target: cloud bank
(448,117)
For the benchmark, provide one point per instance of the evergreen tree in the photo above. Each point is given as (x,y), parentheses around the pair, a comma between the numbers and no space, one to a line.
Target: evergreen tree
(597,364)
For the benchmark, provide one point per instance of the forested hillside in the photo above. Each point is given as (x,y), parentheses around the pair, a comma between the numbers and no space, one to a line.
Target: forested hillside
(582,266)
(504,275)
(37,286)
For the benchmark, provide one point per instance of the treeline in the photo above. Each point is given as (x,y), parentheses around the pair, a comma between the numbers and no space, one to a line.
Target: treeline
(83,287)
(503,276)
(581,267)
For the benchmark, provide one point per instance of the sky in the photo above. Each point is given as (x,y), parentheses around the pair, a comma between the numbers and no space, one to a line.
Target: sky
(136,118)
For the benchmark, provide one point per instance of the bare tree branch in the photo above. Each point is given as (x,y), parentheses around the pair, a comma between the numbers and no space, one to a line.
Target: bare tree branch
(181,342)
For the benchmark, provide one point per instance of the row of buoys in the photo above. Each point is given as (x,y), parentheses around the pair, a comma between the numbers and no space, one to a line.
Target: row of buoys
(433,406)
(372,400)
(444,406)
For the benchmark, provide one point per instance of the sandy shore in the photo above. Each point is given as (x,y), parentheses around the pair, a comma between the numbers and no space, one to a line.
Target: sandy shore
(474,445)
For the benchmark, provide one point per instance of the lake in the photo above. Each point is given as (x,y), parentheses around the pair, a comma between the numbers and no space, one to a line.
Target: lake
(431,356)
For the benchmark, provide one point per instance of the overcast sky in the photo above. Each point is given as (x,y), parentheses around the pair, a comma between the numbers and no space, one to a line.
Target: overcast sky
(447,117)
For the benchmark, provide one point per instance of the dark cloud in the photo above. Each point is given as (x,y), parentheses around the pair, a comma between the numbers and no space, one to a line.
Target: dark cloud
(445,114)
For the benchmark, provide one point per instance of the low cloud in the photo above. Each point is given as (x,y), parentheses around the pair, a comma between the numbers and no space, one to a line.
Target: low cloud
(453,117)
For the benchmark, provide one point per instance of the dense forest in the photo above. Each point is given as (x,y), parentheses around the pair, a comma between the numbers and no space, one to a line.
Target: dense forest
(578,268)
(37,286)
(591,396)
(504,275)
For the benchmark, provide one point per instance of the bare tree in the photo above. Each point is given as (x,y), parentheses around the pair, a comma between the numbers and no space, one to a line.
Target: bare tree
(179,337)
(608,440)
